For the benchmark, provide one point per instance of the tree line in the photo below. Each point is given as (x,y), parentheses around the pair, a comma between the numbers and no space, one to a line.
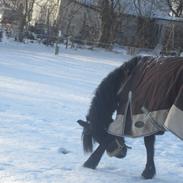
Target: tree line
(111,12)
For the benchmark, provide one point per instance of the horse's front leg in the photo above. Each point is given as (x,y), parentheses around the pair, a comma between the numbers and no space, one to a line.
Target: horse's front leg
(96,156)
(150,169)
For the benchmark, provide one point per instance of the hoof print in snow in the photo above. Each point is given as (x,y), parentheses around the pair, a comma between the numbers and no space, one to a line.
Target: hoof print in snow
(63,151)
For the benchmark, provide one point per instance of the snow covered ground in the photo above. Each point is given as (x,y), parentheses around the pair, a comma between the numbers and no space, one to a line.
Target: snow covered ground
(41,98)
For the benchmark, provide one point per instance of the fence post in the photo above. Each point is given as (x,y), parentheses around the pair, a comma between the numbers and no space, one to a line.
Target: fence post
(57,41)
(56,49)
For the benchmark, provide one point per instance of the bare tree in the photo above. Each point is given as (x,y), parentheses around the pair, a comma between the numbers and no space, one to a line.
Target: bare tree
(149,8)
(48,10)
(144,7)
(24,9)
(48,14)
(176,7)
(74,9)
(145,10)
(110,11)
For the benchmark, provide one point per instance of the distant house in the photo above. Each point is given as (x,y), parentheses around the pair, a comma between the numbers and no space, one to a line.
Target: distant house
(80,19)
(136,31)
(148,32)
(171,32)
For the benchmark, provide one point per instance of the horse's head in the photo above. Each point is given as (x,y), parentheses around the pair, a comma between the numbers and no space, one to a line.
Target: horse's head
(116,145)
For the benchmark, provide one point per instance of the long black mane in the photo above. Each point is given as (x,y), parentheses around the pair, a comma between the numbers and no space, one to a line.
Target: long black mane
(104,103)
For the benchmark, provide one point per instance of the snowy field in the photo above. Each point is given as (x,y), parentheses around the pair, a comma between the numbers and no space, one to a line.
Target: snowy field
(41,98)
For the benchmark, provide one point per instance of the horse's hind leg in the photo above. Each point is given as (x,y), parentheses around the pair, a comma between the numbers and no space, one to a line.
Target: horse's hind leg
(94,159)
(149,170)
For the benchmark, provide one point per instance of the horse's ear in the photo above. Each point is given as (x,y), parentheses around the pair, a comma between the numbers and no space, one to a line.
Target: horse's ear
(84,124)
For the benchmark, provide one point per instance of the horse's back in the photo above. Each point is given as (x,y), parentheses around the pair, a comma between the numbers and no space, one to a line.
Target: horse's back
(153,85)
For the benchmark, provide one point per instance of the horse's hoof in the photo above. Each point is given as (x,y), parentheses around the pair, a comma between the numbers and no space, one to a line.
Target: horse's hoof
(147,176)
(148,173)
(89,165)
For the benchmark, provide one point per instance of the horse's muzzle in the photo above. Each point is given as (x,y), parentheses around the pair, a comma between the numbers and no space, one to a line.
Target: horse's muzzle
(117,149)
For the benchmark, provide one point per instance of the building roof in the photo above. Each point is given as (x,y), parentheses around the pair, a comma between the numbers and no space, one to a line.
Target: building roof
(169,18)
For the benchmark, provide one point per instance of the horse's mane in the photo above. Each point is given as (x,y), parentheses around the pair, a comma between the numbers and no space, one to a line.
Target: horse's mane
(105,102)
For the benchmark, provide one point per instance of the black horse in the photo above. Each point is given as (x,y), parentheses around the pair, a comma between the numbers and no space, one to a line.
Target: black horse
(104,103)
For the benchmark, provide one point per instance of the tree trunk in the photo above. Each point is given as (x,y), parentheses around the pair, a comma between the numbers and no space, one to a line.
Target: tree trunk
(107,24)
(21,26)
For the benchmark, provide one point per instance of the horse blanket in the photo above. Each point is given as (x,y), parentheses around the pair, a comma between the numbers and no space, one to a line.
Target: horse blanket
(151,99)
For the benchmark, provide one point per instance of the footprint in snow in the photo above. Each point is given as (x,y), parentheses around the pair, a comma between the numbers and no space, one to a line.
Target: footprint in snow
(63,150)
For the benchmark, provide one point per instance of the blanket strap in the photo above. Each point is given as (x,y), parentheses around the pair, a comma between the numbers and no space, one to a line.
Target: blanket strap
(153,122)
